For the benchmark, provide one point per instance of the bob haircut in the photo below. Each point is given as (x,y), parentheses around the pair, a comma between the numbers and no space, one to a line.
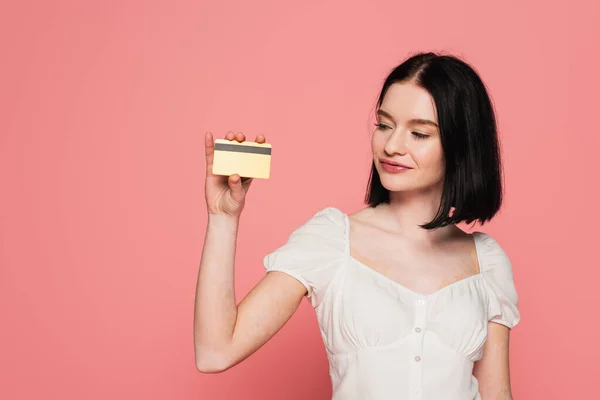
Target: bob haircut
(472,186)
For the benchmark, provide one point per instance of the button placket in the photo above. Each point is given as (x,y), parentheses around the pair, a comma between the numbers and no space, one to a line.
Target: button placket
(416,372)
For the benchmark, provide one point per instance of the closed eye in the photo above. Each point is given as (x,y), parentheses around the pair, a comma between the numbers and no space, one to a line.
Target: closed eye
(420,135)
(382,126)
(415,134)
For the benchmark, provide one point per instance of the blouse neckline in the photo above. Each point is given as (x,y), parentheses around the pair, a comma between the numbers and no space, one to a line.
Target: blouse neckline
(479,275)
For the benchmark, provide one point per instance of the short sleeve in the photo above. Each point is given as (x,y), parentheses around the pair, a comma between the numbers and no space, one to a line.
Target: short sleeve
(312,253)
(497,271)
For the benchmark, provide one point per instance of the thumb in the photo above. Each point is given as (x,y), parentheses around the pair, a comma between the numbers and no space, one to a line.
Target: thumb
(235,185)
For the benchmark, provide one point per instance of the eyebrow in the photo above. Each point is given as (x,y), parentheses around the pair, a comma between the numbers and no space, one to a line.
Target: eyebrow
(414,120)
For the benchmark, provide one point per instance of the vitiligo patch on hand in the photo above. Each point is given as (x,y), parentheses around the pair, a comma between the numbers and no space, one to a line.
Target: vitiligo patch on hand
(248,159)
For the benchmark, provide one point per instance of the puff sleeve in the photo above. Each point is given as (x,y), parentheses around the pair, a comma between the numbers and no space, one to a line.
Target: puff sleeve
(497,271)
(312,253)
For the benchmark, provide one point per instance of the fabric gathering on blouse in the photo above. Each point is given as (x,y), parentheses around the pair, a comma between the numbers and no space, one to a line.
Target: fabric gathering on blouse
(383,340)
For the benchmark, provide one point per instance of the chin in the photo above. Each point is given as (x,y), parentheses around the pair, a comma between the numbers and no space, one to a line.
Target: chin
(406,184)
(401,188)
(398,184)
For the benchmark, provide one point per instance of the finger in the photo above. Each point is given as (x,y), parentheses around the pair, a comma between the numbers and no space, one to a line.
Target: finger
(209,150)
(240,137)
(246,182)
(230,135)
(235,185)
(261,139)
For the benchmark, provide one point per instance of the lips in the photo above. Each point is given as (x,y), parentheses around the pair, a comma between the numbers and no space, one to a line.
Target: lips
(394,163)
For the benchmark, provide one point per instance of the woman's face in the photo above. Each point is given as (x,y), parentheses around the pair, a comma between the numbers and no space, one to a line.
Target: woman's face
(407,133)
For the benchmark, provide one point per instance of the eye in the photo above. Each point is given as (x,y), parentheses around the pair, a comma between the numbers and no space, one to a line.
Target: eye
(419,135)
(382,126)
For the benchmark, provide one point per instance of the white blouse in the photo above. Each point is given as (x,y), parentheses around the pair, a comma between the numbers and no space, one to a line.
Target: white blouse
(383,340)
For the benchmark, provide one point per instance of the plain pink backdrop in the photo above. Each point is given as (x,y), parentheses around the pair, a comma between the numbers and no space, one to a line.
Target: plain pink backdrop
(103,109)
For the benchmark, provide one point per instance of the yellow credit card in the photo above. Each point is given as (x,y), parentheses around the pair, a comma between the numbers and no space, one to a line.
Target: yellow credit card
(248,159)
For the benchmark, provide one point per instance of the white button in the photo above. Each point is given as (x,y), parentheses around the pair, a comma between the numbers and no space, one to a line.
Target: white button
(417,329)
(417,358)
(421,302)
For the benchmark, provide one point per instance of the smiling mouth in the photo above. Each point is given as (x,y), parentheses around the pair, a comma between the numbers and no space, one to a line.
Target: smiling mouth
(394,164)
(393,169)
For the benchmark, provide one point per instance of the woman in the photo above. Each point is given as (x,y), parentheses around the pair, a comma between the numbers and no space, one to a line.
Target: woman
(409,305)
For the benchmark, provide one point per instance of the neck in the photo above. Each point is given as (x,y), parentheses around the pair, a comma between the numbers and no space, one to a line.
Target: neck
(407,210)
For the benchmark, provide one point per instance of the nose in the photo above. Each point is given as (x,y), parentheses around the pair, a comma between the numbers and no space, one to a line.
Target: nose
(396,143)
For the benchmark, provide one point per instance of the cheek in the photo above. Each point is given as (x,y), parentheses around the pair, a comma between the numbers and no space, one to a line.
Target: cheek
(377,144)
(429,155)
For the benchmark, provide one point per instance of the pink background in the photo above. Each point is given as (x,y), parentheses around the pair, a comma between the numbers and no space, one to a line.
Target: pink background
(103,109)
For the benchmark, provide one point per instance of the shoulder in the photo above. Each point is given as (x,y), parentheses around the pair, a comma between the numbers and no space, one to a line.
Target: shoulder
(313,252)
(322,231)
(332,215)
(496,269)
(490,253)
(328,223)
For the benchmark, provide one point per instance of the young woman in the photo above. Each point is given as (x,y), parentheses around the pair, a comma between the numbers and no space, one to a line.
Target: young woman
(409,305)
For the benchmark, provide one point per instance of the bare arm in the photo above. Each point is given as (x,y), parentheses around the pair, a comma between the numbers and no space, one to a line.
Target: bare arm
(225,333)
(492,371)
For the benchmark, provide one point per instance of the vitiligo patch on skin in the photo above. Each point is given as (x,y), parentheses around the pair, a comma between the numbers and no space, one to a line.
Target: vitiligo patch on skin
(248,159)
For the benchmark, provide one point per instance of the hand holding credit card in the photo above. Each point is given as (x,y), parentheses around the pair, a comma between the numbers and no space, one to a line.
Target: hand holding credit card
(247,159)
(232,164)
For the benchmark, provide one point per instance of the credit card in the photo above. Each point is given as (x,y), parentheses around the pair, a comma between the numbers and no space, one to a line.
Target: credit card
(248,159)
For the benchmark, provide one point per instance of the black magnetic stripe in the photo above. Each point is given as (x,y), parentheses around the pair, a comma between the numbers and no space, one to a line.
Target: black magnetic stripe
(242,149)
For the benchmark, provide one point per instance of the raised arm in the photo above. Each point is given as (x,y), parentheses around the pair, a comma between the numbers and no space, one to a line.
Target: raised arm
(225,333)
